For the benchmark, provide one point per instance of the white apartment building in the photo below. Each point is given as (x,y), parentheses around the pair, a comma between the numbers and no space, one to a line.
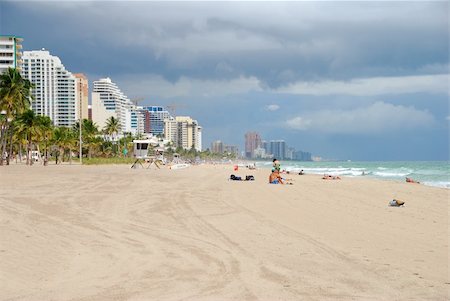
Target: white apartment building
(10,54)
(184,132)
(108,100)
(135,120)
(199,139)
(54,92)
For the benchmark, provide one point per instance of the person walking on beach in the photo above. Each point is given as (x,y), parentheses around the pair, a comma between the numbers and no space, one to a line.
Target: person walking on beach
(276,165)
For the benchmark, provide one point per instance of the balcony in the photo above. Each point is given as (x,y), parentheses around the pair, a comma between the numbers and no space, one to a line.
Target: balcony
(7,50)
(6,42)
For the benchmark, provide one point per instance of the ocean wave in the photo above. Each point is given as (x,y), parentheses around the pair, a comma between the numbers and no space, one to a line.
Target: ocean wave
(440,184)
(335,171)
(431,172)
(391,174)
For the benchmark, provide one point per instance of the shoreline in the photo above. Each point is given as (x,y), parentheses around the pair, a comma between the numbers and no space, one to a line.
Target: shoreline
(267,166)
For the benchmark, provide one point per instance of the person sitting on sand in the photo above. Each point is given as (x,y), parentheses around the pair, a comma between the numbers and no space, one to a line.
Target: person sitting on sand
(409,180)
(301,173)
(275,178)
(330,177)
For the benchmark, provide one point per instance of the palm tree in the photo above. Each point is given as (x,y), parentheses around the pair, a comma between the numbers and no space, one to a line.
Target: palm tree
(64,139)
(112,128)
(46,133)
(71,142)
(58,140)
(90,130)
(15,96)
(28,125)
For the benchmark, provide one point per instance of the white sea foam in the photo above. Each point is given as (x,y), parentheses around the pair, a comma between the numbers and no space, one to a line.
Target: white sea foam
(390,174)
(441,184)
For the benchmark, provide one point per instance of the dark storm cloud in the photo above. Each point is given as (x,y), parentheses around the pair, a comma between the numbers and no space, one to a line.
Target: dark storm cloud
(276,43)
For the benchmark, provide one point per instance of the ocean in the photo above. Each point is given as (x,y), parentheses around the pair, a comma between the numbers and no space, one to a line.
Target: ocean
(431,173)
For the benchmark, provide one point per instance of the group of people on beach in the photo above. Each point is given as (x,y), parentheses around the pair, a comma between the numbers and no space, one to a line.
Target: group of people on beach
(276,178)
(275,175)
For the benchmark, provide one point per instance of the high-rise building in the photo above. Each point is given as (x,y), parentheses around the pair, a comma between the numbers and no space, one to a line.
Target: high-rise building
(278,149)
(154,119)
(82,96)
(232,149)
(108,100)
(54,89)
(217,147)
(199,138)
(184,132)
(170,131)
(134,121)
(10,54)
(252,142)
(290,153)
(90,112)
(266,147)
(302,156)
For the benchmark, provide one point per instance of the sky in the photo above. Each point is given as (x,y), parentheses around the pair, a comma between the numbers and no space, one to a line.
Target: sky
(356,80)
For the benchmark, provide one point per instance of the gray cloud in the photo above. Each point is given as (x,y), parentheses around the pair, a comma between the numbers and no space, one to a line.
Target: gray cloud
(278,43)
(376,118)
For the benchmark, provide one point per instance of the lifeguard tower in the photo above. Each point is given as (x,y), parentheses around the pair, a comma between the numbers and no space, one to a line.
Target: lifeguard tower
(140,149)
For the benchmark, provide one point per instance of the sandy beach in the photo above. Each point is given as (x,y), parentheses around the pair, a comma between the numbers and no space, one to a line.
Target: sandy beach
(114,233)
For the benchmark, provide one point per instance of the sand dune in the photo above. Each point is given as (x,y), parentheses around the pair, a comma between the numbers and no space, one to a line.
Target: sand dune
(113,233)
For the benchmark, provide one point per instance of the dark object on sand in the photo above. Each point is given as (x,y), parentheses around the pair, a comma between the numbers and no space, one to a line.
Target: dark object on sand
(247,178)
(396,203)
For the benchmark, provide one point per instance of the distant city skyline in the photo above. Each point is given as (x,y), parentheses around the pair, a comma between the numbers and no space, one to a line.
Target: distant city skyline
(343,80)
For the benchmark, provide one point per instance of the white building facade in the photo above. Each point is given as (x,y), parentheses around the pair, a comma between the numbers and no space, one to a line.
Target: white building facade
(10,52)
(55,87)
(108,100)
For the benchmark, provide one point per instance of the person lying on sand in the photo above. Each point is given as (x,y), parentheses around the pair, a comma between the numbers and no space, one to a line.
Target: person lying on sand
(409,180)
(330,177)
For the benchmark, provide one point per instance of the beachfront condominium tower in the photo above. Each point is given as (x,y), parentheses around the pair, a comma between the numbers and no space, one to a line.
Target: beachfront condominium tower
(154,120)
(108,100)
(278,149)
(217,147)
(82,95)
(54,89)
(10,52)
(252,142)
(184,132)
(135,118)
